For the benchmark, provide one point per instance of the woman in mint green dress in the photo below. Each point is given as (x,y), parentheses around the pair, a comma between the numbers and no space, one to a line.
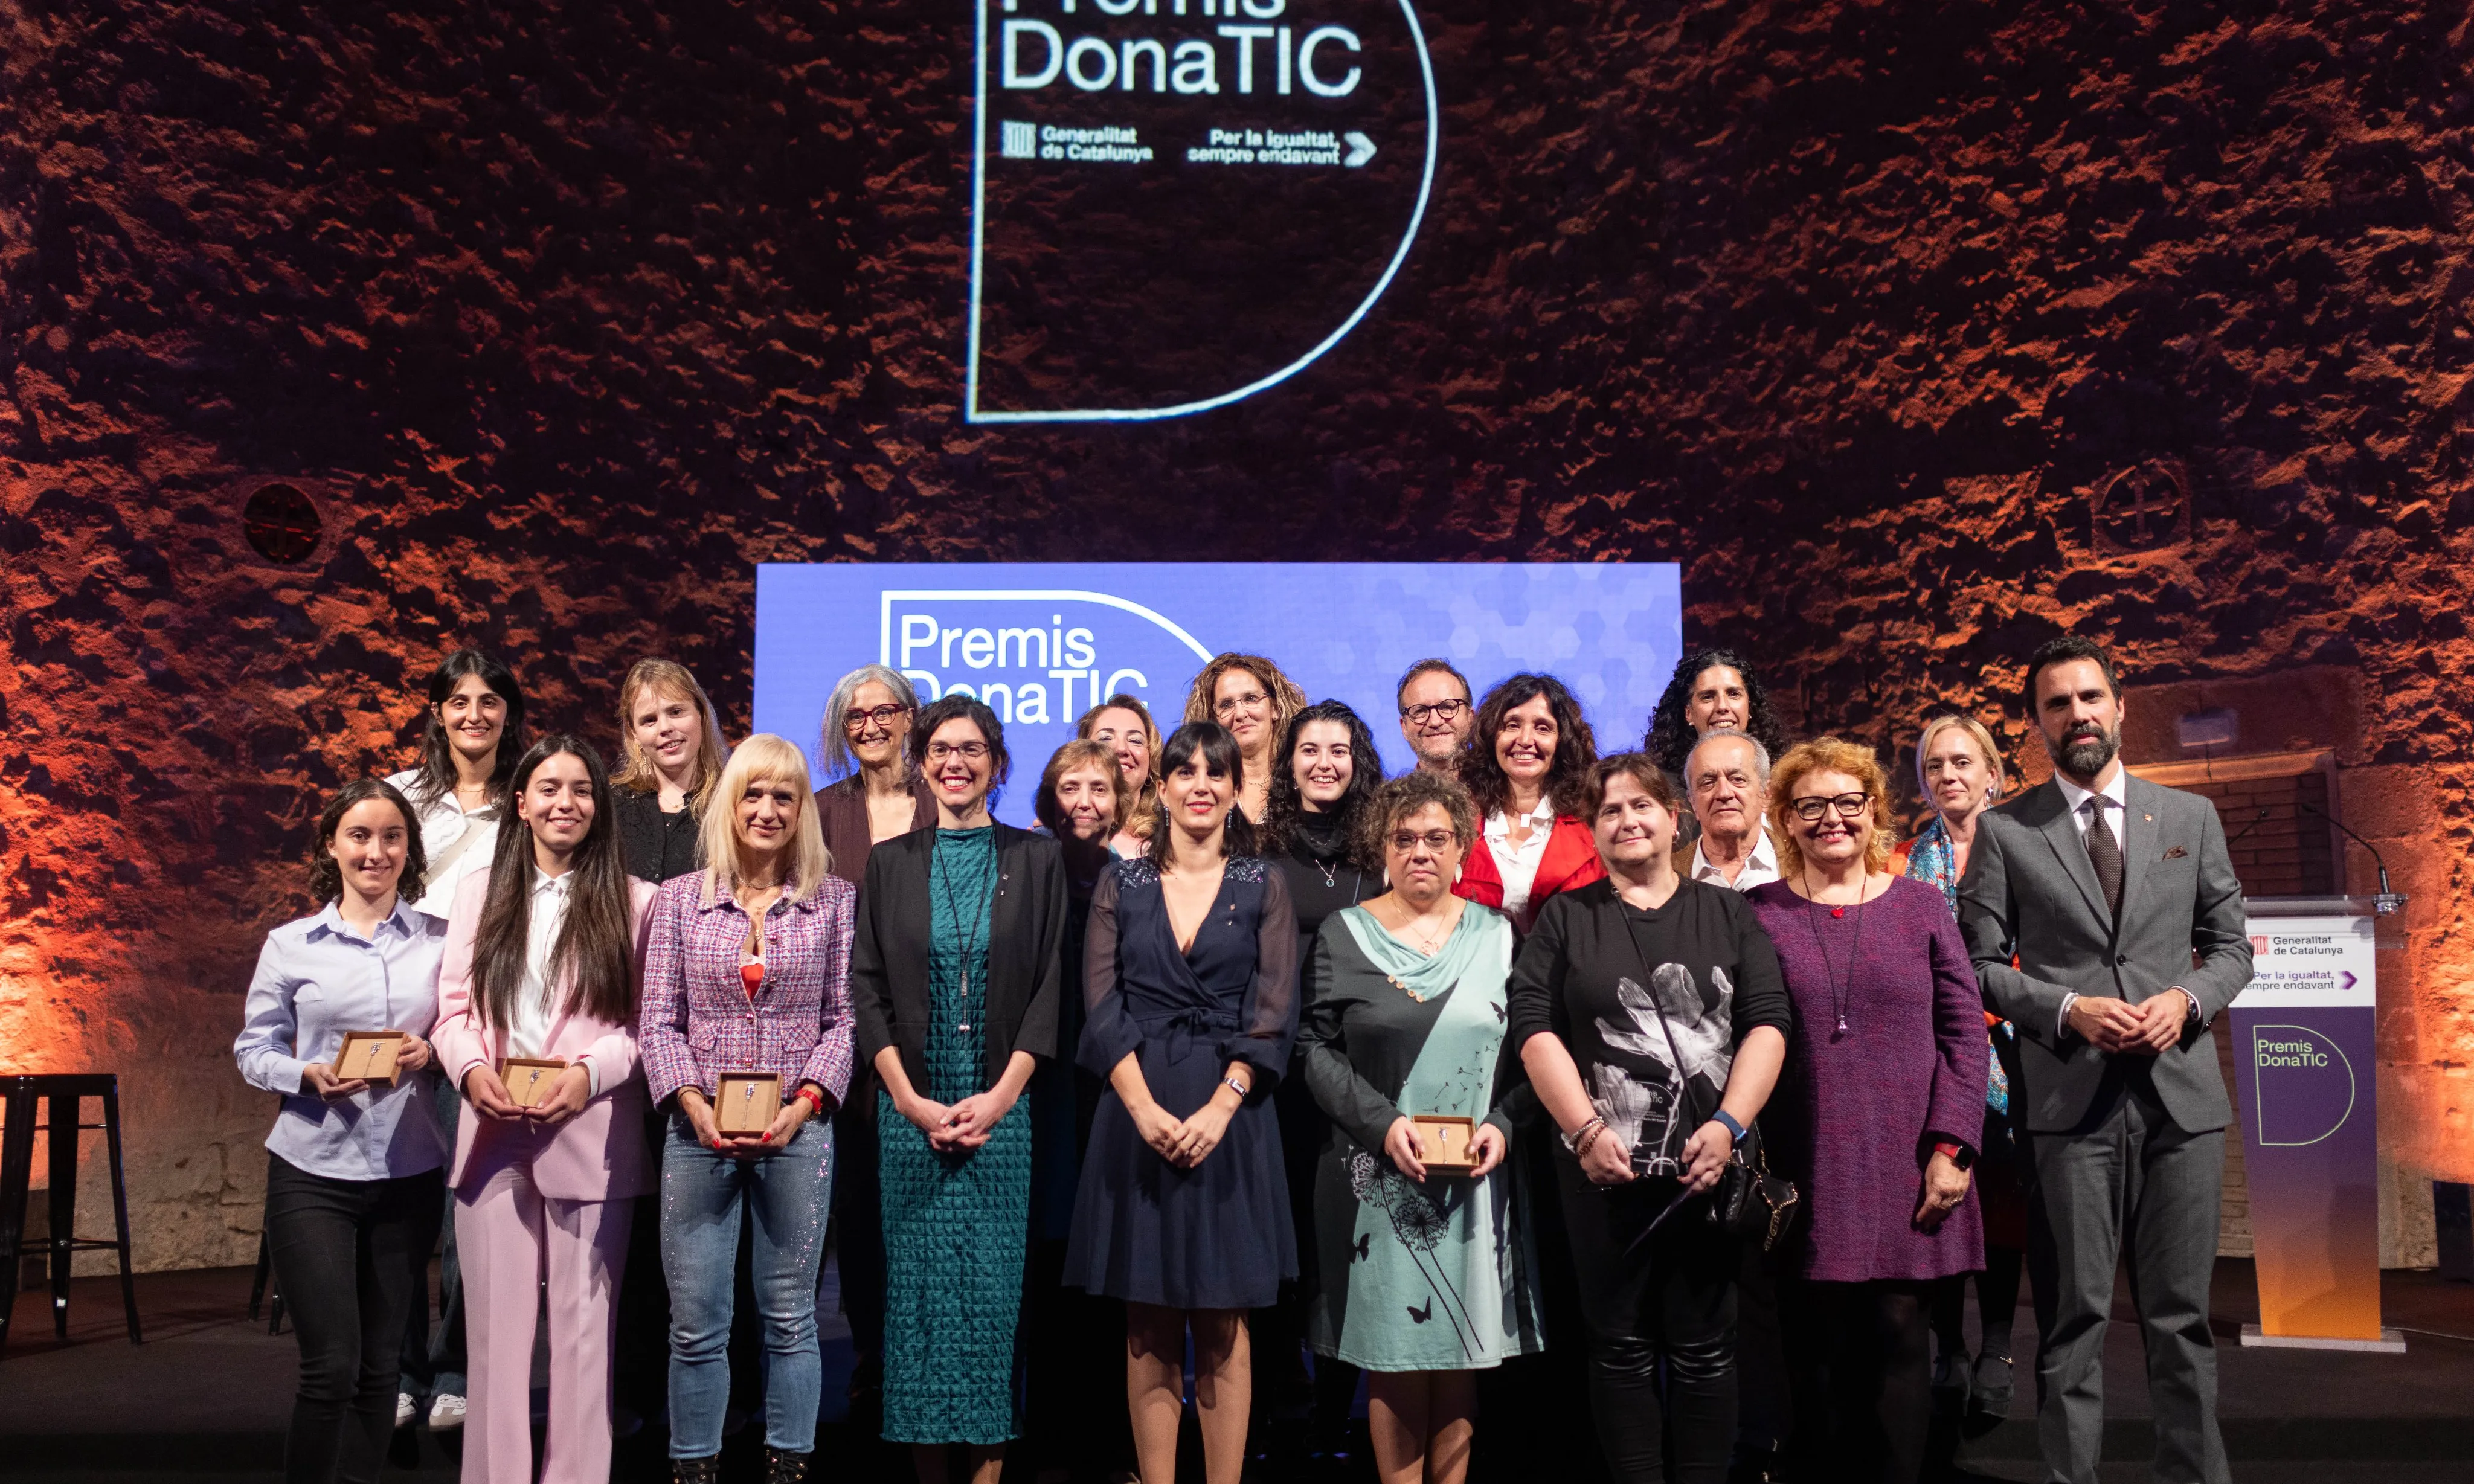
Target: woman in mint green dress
(1423,1273)
(954,983)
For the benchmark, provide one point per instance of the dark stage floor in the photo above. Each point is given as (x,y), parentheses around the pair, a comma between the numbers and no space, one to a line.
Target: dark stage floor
(207,1395)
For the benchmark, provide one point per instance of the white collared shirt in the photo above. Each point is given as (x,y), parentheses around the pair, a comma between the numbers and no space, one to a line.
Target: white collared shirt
(456,841)
(1759,870)
(1518,865)
(537,1003)
(2114,794)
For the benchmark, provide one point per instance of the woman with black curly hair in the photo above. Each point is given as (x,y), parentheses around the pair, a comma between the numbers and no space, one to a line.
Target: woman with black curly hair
(1712,689)
(1325,773)
(1526,766)
(1422,1277)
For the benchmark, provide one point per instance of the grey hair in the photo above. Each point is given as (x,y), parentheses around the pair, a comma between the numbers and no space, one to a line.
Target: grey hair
(1761,754)
(835,744)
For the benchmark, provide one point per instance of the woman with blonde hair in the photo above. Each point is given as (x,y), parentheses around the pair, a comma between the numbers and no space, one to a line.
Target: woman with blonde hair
(1959,765)
(1890,1062)
(673,751)
(1123,726)
(1252,702)
(747,970)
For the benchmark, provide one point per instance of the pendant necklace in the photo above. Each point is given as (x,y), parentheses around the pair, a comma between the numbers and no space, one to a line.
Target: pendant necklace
(975,929)
(1838,997)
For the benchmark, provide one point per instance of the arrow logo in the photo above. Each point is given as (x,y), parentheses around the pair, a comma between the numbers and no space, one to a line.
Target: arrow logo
(1361,149)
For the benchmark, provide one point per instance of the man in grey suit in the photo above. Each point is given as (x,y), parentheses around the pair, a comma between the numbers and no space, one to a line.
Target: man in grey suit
(2121,904)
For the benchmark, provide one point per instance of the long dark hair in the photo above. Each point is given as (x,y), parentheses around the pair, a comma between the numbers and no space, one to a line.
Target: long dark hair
(437,777)
(1281,816)
(595,946)
(326,873)
(1219,758)
(1670,738)
(1576,749)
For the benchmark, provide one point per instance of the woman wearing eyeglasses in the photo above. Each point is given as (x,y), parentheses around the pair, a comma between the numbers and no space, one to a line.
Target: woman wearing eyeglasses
(956,975)
(1250,700)
(879,796)
(1422,1278)
(1891,1062)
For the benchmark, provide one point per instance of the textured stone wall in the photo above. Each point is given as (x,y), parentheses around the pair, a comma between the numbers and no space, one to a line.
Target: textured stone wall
(1915,332)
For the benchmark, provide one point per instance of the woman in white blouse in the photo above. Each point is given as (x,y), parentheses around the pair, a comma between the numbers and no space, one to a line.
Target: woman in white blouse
(1526,766)
(353,1184)
(469,745)
(543,963)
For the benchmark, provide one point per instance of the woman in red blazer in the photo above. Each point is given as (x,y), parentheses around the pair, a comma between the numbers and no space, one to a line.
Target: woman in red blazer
(542,963)
(1526,764)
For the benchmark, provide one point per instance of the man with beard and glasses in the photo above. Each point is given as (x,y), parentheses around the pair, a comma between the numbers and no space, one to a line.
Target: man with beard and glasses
(2120,904)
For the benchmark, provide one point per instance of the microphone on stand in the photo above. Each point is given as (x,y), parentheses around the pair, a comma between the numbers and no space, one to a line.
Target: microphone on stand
(2385,902)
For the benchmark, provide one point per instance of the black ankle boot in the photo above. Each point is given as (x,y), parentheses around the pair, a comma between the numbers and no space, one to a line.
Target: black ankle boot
(697,1470)
(782,1467)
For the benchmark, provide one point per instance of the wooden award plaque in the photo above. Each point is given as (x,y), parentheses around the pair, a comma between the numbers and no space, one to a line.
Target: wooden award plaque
(749,1103)
(1444,1138)
(529,1079)
(369,1055)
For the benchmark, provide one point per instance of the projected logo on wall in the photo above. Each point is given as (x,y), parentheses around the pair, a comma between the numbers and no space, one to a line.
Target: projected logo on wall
(1179,202)
(1043,643)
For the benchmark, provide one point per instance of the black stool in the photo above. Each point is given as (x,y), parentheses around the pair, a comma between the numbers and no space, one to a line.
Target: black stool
(65,1093)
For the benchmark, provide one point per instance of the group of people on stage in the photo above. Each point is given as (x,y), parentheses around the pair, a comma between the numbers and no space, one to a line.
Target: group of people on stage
(1251,1048)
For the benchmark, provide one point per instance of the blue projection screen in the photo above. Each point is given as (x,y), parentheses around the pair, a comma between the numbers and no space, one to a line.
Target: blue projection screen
(1041,642)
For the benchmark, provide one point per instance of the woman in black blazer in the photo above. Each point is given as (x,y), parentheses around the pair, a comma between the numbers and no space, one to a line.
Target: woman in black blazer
(956,973)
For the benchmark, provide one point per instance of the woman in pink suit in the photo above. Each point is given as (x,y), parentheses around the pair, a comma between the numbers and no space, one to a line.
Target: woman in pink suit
(542,963)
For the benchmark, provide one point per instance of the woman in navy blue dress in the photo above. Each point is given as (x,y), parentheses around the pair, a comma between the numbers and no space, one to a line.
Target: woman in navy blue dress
(1191,986)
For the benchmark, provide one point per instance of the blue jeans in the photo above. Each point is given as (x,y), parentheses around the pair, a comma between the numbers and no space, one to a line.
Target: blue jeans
(703,1196)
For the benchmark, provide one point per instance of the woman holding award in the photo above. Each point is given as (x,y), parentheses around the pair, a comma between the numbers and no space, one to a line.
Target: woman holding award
(1421,1282)
(352,1189)
(537,1010)
(746,1035)
(955,978)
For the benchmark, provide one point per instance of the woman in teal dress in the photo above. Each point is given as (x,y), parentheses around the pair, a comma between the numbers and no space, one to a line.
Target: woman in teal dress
(1423,1276)
(956,974)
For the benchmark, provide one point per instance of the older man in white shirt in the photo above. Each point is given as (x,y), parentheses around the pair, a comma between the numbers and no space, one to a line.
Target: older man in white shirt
(1727,776)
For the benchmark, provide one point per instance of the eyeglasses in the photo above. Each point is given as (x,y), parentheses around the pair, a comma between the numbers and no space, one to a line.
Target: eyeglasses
(939,751)
(1435,841)
(1230,705)
(1445,712)
(878,719)
(1850,806)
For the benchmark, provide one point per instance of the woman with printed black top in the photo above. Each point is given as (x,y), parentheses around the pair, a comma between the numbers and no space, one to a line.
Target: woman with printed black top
(1651,1019)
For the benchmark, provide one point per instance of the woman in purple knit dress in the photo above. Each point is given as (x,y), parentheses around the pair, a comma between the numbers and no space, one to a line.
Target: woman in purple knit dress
(1878,1115)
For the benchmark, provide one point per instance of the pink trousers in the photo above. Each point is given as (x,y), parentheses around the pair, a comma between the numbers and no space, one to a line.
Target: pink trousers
(512,1239)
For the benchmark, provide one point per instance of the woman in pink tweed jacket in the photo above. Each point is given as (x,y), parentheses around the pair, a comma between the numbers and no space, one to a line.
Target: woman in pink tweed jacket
(747,969)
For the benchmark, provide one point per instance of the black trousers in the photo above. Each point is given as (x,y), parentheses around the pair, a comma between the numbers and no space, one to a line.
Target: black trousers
(1858,1368)
(349,1255)
(1664,1303)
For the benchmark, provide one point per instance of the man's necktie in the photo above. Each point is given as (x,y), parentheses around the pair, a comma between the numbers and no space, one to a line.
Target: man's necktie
(2104,853)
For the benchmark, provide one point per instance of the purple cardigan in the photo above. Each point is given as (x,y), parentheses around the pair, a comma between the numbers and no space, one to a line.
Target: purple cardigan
(697,1022)
(1854,1114)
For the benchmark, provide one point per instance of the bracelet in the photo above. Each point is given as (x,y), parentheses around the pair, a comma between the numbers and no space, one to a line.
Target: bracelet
(1727,1121)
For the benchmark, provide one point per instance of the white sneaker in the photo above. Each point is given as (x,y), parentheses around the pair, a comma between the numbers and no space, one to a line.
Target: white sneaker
(447,1413)
(404,1412)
